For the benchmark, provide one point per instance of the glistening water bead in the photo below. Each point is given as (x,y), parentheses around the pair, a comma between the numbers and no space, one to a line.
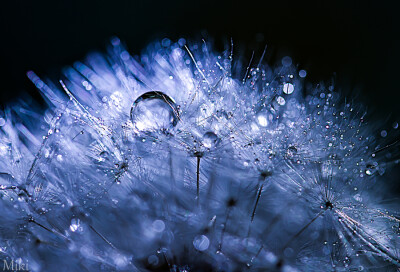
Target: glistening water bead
(210,139)
(154,111)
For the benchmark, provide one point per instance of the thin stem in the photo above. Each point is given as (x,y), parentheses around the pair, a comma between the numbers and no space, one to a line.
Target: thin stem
(257,200)
(303,229)
(102,237)
(224,229)
(255,256)
(32,220)
(198,178)
(259,192)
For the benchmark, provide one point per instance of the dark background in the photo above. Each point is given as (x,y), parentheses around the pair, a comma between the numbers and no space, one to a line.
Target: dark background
(355,42)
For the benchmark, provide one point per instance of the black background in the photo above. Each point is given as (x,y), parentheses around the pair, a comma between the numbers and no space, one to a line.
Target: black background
(355,42)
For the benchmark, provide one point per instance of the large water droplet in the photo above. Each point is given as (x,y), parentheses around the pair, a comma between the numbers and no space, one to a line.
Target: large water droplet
(201,242)
(154,111)
(210,139)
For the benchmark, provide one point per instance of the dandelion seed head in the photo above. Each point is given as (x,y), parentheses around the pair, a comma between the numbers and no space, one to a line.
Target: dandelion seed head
(168,162)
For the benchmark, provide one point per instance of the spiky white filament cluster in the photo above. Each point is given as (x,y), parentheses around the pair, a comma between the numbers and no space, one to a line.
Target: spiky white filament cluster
(168,162)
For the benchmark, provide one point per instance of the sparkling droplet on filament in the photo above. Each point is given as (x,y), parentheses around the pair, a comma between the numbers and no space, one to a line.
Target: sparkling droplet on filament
(75,225)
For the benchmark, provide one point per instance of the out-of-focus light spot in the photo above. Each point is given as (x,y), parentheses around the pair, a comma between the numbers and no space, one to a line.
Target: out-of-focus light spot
(288,252)
(383,133)
(302,73)
(262,120)
(125,55)
(395,125)
(2,122)
(181,41)
(288,88)
(3,149)
(286,61)
(115,41)
(254,127)
(166,42)
(152,260)
(158,226)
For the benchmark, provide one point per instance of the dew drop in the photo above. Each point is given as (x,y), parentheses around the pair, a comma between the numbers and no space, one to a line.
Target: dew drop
(158,226)
(166,42)
(288,88)
(286,61)
(103,156)
(154,111)
(210,139)
(302,73)
(281,101)
(288,252)
(201,242)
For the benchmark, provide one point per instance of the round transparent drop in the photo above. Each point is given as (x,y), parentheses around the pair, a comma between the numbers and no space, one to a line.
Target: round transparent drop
(201,242)
(158,226)
(288,88)
(281,101)
(153,111)
(210,139)
(302,73)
